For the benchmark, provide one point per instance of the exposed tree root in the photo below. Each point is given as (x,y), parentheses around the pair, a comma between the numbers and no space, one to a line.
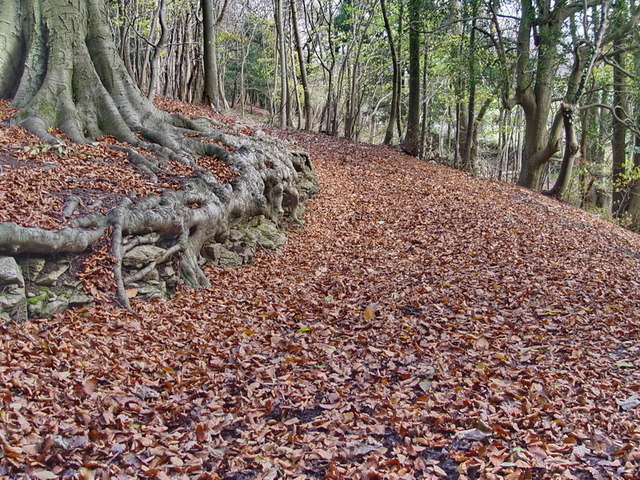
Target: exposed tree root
(117,253)
(89,94)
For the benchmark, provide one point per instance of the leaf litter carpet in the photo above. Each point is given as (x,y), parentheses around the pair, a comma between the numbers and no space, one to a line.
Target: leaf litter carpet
(422,324)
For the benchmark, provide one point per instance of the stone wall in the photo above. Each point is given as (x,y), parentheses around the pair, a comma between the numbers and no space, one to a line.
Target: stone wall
(38,286)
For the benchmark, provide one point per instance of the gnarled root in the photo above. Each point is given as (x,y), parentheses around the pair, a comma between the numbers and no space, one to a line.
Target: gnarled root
(89,94)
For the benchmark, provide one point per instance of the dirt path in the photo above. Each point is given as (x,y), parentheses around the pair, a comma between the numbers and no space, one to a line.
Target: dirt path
(424,324)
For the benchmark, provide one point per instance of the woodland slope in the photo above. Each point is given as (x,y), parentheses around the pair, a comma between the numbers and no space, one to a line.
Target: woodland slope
(422,324)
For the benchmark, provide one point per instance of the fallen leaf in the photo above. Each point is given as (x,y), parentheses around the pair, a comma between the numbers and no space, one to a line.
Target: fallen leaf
(473,434)
(89,386)
(629,403)
(45,475)
(369,313)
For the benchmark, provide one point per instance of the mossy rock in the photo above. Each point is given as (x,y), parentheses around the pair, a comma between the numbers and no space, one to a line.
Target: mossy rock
(31,267)
(153,290)
(52,273)
(140,256)
(10,272)
(13,306)
(222,256)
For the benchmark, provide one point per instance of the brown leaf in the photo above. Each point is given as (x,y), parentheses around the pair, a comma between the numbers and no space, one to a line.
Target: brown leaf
(89,386)
(369,313)
(86,474)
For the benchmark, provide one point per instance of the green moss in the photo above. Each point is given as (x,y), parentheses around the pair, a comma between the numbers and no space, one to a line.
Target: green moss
(36,300)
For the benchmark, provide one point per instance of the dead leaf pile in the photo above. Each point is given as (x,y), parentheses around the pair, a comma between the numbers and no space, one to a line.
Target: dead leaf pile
(36,178)
(423,324)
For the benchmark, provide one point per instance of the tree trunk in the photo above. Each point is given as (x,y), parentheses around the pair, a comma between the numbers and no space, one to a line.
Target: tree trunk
(619,138)
(468,163)
(211,90)
(534,85)
(411,143)
(634,194)
(571,148)
(157,52)
(303,67)
(534,92)
(425,140)
(75,80)
(285,103)
(395,95)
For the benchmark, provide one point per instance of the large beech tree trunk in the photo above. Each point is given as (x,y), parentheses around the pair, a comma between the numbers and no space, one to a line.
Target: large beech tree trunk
(59,62)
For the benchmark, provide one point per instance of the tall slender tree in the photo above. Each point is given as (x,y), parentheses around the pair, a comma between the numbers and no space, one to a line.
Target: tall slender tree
(211,17)
(395,83)
(303,67)
(411,143)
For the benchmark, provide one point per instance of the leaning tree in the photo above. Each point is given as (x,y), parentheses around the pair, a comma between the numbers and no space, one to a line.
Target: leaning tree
(59,64)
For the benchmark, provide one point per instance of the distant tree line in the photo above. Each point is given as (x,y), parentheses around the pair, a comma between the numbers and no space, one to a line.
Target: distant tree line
(544,93)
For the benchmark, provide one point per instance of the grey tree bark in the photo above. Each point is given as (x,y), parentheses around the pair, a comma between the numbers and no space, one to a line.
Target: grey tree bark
(619,137)
(285,101)
(468,161)
(64,71)
(154,75)
(541,25)
(303,67)
(210,18)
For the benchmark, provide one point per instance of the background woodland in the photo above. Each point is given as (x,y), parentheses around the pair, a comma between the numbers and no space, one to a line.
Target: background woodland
(541,93)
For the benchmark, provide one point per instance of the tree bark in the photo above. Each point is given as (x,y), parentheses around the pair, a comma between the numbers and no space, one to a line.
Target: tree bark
(74,79)
(285,102)
(303,67)
(210,18)
(157,52)
(619,138)
(534,86)
(395,87)
(411,143)
(634,195)
(571,148)
(12,46)
(468,161)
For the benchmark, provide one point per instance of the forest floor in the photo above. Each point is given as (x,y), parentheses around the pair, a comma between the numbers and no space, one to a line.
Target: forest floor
(422,324)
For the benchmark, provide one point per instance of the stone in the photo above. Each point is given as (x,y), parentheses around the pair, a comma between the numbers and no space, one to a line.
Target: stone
(13,299)
(142,255)
(52,273)
(72,284)
(152,290)
(57,305)
(169,275)
(78,299)
(234,236)
(229,259)
(152,276)
(10,272)
(35,306)
(31,267)
(222,256)
(36,303)
(13,306)
(261,232)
